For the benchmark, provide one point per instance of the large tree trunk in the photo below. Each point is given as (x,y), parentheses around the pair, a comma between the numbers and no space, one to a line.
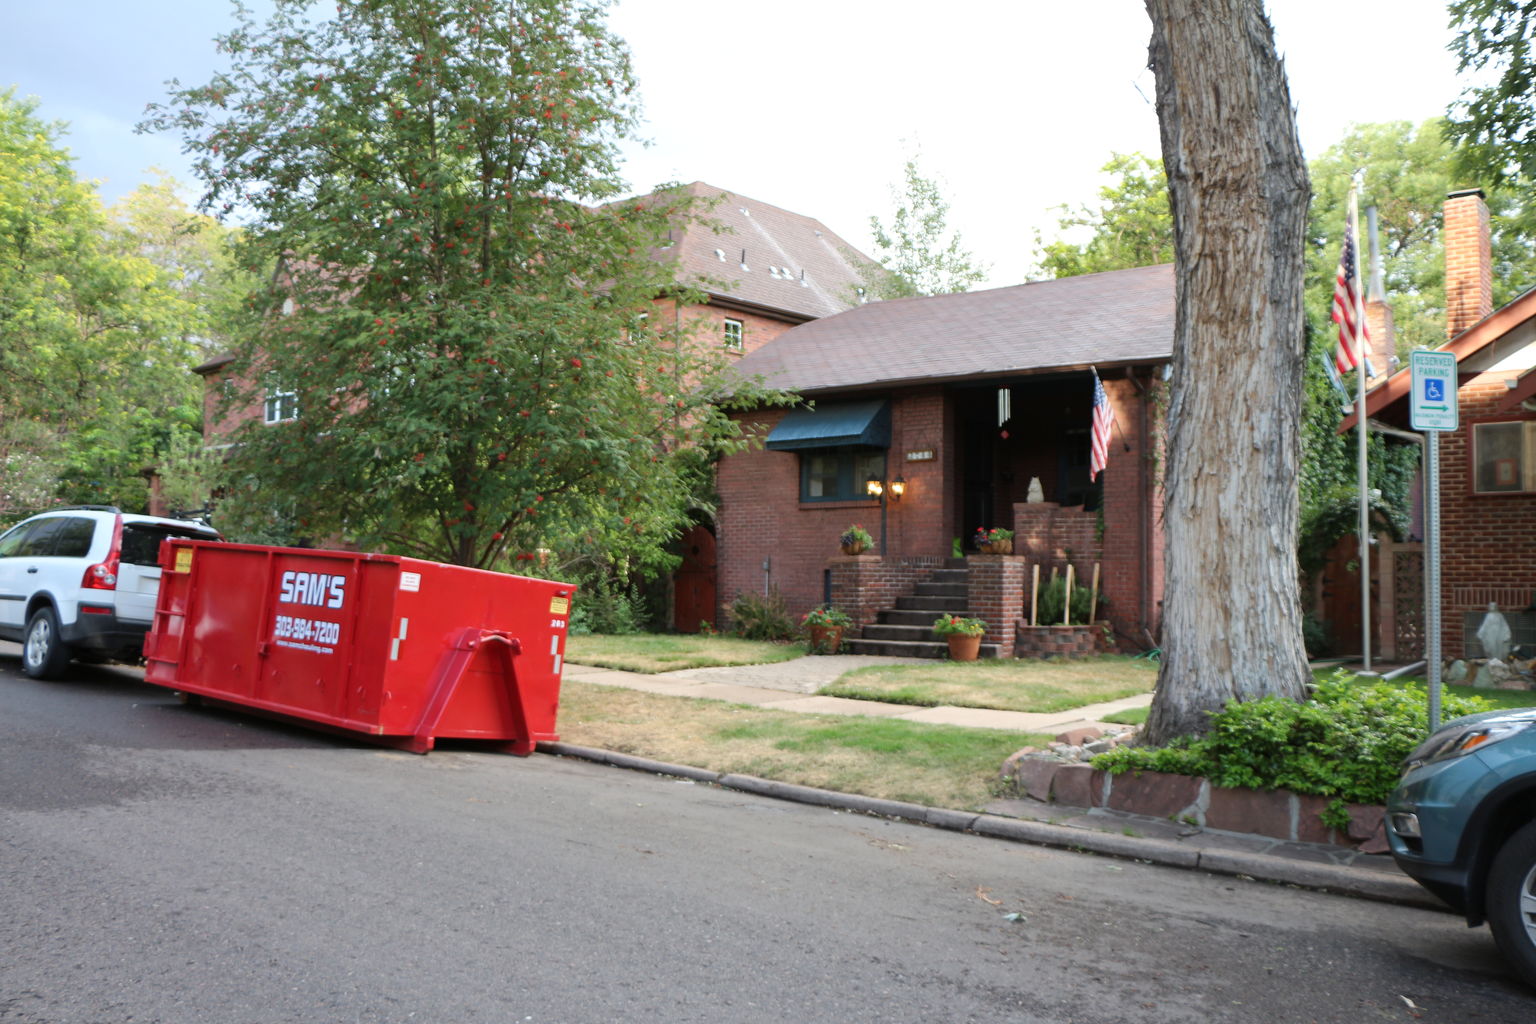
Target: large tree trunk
(1238,184)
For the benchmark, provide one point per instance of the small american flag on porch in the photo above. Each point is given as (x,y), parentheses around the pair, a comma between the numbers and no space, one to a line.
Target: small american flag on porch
(1103,423)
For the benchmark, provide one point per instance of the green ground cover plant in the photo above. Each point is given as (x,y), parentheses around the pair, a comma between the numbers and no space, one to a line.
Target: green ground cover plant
(1346,742)
(1006,684)
(932,765)
(672,652)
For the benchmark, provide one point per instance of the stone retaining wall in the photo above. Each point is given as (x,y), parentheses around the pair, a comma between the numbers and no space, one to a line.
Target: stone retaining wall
(1276,813)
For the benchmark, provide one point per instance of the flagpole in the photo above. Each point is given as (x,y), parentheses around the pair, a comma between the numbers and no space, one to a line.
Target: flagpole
(1362,431)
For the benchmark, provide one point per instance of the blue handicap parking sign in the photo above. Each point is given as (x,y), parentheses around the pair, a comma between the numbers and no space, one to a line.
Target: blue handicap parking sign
(1434,389)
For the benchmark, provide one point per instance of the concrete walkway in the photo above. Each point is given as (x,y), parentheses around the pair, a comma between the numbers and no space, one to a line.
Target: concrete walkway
(791,686)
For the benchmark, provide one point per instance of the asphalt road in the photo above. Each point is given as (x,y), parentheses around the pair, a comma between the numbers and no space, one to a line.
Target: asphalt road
(160,863)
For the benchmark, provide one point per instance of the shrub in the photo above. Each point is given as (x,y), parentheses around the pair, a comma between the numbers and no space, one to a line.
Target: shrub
(605,605)
(1053,596)
(955,625)
(1346,742)
(755,617)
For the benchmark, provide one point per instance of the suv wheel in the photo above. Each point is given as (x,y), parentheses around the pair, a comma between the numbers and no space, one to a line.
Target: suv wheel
(43,651)
(1512,901)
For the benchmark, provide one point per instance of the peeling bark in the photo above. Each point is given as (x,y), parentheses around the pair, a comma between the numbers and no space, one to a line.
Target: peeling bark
(1239,189)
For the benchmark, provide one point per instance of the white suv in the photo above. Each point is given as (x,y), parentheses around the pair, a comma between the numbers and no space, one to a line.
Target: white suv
(83,580)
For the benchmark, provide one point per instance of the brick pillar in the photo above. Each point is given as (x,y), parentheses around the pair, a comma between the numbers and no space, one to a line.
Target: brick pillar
(859,586)
(995,594)
(1383,331)
(1468,261)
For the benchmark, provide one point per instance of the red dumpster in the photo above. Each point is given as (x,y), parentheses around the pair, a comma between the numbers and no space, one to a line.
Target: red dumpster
(397,648)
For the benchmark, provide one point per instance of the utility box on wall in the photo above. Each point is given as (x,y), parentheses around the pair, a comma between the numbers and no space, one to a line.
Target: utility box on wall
(404,650)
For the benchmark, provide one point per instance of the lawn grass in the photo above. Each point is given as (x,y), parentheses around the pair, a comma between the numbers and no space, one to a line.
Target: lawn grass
(670,652)
(1005,684)
(933,765)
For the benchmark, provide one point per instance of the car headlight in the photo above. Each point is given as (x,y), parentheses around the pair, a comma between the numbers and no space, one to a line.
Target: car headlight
(1461,740)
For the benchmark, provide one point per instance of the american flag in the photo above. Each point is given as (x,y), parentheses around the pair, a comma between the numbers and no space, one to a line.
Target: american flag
(1353,333)
(1103,423)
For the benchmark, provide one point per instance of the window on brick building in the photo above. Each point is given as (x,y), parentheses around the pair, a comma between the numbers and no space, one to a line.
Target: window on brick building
(1504,457)
(733,335)
(280,407)
(838,474)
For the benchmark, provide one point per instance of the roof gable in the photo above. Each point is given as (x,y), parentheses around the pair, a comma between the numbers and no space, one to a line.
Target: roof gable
(766,257)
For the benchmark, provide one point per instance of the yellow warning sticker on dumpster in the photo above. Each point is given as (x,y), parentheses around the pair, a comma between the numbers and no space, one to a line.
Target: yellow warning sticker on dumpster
(183,560)
(559,605)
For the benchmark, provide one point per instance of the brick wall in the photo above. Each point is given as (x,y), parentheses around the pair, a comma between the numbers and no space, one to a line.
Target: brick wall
(1488,541)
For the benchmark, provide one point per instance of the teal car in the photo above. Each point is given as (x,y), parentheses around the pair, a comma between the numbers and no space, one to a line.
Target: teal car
(1462,823)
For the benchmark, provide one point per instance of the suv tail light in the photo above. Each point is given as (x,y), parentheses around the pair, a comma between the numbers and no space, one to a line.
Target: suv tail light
(103,575)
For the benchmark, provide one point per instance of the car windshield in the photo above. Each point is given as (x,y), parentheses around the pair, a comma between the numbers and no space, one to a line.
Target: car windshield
(141,541)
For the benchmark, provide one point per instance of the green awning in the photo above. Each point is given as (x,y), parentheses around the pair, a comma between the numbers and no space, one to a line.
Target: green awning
(865,424)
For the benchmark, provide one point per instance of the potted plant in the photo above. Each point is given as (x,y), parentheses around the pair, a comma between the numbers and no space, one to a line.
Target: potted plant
(996,541)
(824,625)
(855,540)
(963,636)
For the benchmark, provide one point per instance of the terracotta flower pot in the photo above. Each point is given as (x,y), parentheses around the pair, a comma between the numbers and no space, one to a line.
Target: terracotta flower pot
(963,648)
(998,547)
(854,549)
(825,639)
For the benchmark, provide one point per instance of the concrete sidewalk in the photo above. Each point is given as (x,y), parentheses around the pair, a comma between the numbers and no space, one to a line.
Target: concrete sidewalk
(791,686)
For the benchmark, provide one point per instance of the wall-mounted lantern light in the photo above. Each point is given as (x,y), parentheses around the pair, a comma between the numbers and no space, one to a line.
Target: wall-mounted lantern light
(874,487)
(898,488)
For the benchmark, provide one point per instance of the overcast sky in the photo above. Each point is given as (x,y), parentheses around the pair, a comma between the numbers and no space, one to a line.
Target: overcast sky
(814,105)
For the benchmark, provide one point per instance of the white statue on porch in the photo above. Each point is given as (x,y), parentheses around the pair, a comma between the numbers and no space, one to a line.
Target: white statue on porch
(1036,492)
(1493,634)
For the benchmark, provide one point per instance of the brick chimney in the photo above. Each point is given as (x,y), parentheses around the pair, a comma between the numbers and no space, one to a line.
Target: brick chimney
(1468,261)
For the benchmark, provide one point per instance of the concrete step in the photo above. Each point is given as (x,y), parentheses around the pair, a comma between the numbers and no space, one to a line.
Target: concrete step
(915,617)
(931,604)
(919,632)
(941,590)
(907,648)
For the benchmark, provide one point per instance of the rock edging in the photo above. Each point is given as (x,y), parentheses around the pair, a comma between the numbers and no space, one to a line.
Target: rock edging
(1279,814)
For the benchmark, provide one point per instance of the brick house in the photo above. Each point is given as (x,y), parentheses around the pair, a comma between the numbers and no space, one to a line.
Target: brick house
(1488,465)
(959,402)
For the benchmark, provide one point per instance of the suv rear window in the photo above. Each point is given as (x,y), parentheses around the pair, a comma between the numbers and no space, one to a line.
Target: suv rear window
(141,541)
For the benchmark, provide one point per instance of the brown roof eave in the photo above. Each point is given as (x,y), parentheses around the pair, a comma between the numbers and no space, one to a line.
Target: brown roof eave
(1108,370)
(216,363)
(775,312)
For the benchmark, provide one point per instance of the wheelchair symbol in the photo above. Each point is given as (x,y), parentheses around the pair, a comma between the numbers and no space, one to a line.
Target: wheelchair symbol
(1434,390)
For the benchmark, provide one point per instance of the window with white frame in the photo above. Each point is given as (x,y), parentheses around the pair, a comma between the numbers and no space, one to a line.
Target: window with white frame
(1504,457)
(733,335)
(280,407)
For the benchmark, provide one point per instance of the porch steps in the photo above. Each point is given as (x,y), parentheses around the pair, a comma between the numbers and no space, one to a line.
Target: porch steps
(906,631)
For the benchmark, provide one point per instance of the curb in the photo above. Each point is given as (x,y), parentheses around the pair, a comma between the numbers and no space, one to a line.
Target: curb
(1331,878)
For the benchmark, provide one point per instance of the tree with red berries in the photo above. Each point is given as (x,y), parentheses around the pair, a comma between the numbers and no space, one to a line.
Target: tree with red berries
(453,335)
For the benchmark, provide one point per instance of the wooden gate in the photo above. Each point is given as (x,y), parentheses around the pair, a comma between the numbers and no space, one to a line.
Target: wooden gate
(694,582)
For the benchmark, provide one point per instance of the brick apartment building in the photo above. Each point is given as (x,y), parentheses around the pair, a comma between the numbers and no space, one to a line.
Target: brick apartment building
(960,401)
(1488,465)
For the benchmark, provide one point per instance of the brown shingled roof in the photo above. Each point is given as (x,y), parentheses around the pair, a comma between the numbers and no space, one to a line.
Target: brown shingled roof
(1115,318)
(796,265)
